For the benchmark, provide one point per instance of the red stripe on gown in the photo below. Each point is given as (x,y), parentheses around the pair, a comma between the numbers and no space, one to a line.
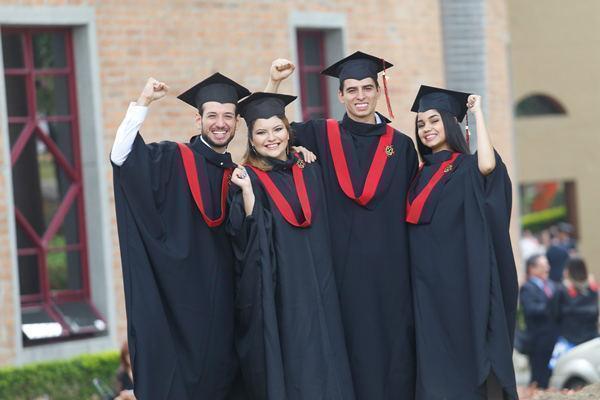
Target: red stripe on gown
(415,209)
(191,172)
(341,166)
(280,201)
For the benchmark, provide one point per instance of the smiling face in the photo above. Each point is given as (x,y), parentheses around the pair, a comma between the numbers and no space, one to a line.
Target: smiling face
(270,137)
(217,124)
(360,99)
(430,130)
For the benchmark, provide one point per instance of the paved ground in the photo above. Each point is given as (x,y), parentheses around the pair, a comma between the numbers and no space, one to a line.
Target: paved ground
(522,373)
(587,393)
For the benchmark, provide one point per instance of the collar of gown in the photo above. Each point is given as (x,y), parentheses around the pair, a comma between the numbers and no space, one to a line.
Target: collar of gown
(365,129)
(219,159)
(279,165)
(437,158)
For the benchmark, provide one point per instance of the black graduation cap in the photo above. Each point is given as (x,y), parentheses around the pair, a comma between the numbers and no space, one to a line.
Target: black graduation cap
(357,66)
(264,105)
(430,97)
(216,87)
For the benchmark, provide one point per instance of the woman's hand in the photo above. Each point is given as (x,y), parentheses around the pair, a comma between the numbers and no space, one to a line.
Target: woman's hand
(486,159)
(308,155)
(240,178)
(474,103)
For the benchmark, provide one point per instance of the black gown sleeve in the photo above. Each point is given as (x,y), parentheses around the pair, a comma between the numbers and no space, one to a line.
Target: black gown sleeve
(496,192)
(491,270)
(412,159)
(305,135)
(143,178)
(257,333)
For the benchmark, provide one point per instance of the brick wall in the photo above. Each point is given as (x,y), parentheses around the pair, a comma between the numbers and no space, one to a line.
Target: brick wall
(183,42)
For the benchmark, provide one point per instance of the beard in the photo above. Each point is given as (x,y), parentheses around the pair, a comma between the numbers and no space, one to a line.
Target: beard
(214,145)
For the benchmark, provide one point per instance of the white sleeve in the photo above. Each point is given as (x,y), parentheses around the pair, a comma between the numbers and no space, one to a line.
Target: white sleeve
(127,132)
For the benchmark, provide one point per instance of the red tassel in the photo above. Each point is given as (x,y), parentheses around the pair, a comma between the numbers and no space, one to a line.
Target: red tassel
(385,91)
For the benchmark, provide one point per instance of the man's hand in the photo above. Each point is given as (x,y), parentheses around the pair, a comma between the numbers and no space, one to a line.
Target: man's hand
(308,155)
(281,69)
(154,90)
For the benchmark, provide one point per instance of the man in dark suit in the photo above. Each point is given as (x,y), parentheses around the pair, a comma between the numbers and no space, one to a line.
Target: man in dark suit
(557,255)
(538,303)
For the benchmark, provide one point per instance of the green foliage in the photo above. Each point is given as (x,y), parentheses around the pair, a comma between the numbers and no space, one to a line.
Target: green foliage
(539,220)
(59,380)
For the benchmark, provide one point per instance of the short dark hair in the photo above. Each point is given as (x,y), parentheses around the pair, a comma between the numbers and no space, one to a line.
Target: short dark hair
(341,87)
(577,269)
(455,137)
(532,261)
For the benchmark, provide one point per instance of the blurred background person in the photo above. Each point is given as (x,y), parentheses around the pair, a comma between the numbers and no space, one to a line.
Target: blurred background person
(557,255)
(537,298)
(565,237)
(578,304)
(529,244)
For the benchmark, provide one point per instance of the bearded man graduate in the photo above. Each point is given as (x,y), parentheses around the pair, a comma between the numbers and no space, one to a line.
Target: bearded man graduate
(367,167)
(177,260)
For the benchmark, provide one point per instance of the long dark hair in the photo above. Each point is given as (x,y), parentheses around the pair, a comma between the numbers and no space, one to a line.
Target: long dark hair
(261,162)
(455,138)
(577,269)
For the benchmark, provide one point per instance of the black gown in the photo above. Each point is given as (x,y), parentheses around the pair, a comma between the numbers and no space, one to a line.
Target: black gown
(370,253)
(464,279)
(289,332)
(578,312)
(177,273)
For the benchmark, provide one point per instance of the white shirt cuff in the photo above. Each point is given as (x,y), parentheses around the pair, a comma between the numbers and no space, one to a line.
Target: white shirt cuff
(127,132)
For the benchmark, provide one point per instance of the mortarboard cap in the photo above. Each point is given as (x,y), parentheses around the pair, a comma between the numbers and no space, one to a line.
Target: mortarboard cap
(451,101)
(357,66)
(217,88)
(263,105)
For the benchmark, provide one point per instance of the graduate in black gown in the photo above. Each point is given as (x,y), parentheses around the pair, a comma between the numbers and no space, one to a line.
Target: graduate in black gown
(176,257)
(578,304)
(289,331)
(367,167)
(463,270)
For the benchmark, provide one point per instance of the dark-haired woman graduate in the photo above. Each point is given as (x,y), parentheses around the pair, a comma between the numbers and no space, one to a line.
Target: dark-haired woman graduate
(463,270)
(289,330)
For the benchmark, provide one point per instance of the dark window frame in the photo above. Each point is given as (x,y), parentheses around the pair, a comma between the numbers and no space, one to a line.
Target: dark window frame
(307,111)
(46,298)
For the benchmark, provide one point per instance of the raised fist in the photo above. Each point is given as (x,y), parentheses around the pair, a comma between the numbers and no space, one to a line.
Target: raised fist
(281,69)
(474,103)
(153,90)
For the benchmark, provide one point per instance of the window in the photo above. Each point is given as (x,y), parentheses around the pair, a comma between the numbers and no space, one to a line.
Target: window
(539,104)
(47,185)
(311,61)
(545,204)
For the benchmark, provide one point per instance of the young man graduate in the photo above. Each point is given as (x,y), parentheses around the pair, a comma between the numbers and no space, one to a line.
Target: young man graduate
(367,168)
(177,260)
